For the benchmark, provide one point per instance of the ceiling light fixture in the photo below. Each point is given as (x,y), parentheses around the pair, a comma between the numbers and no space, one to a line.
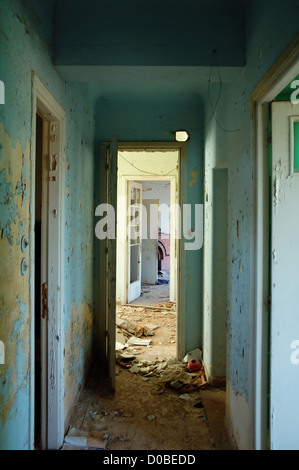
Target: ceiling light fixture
(182,136)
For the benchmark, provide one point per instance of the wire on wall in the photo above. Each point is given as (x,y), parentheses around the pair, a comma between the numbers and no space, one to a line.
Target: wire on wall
(214,107)
(144,171)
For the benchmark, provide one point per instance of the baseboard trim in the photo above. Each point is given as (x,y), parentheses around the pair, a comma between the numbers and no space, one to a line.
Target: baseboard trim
(215,382)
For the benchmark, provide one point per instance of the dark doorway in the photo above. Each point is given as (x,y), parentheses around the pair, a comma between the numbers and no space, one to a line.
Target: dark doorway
(37,275)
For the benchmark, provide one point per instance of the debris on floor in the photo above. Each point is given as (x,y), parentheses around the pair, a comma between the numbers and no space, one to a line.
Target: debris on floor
(162,281)
(194,354)
(136,417)
(193,365)
(138,341)
(157,404)
(134,335)
(135,330)
(170,372)
(86,440)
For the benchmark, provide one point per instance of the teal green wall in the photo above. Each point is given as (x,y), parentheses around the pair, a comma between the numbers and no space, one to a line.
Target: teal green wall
(248,37)
(24,49)
(150,115)
(271,25)
(151,33)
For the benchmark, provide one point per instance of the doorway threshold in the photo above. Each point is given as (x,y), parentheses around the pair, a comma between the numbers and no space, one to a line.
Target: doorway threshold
(153,326)
(214,402)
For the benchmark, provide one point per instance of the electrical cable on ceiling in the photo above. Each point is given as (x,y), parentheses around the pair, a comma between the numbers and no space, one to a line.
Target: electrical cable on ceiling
(213,108)
(147,172)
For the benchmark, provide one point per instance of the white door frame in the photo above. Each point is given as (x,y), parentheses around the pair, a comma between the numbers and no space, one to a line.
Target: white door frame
(53,403)
(277,78)
(174,199)
(133,290)
(181,147)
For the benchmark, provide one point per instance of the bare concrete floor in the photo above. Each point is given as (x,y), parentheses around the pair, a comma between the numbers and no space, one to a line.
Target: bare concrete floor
(141,415)
(153,294)
(136,417)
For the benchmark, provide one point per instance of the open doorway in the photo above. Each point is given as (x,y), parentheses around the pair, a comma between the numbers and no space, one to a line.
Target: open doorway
(156,251)
(146,292)
(47,266)
(41,249)
(276,240)
(37,274)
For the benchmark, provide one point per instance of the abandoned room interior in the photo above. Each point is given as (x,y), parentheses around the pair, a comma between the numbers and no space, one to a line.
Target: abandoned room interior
(129,253)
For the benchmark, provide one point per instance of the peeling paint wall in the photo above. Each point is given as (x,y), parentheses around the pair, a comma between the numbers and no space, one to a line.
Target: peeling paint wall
(215,262)
(77,358)
(24,48)
(238,412)
(233,149)
(228,141)
(132,111)
(14,291)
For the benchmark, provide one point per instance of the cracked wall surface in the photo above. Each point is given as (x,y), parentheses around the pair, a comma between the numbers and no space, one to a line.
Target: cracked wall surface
(14,287)
(136,114)
(24,50)
(229,145)
(77,358)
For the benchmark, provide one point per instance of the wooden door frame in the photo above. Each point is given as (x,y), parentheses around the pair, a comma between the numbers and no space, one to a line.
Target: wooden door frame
(276,79)
(100,276)
(53,404)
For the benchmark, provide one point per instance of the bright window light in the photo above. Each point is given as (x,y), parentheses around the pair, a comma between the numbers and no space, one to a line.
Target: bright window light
(182,136)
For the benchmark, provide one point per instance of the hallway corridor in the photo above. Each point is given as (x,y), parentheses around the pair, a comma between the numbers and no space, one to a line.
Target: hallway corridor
(137,138)
(140,417)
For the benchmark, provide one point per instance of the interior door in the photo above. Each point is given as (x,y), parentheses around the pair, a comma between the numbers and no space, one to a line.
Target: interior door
(111,261)
(43,281)
(134,239)
(284,370)
(149,271)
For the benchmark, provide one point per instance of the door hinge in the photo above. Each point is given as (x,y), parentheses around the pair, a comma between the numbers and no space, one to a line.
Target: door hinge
(45,300)
(269,302)
(269,138)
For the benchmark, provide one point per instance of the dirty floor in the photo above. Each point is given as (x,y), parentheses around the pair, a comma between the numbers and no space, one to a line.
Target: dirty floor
(142,414)
(136,418)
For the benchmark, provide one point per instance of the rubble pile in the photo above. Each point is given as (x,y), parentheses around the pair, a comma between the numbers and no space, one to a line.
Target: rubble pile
(132,336)
(129,332)
(178,375)
(184,376)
